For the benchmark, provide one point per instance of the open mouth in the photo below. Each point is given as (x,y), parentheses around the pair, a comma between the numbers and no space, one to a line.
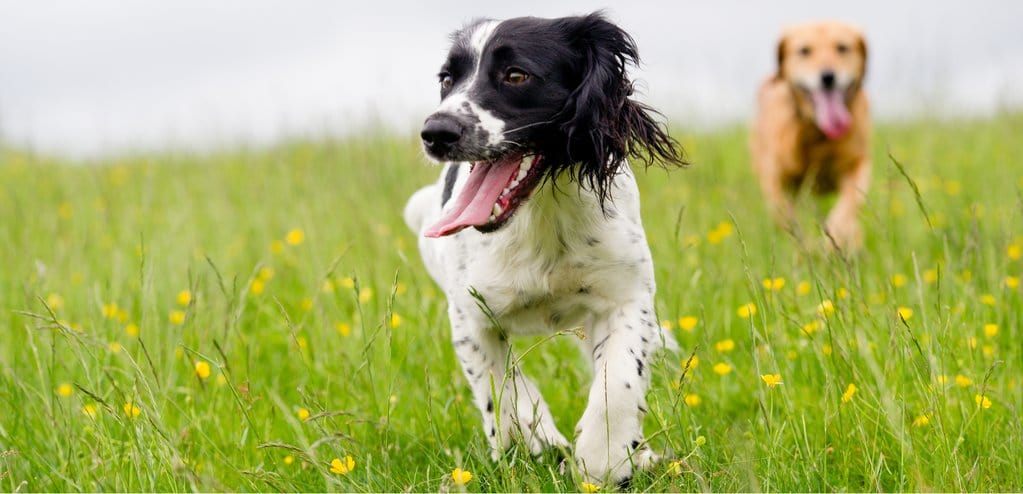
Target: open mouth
(491,195)
(830,112)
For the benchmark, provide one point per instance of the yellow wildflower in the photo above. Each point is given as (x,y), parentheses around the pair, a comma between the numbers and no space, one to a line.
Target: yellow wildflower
(202,369)
(898,280)
(288,460)
(110,310)
(771,380)
(826,308)
(963,381)
(307,304)
(400,288)
(987,299)
(849,392)
(692,399)
(89,410)
(700,441)
(115,347)
(952,187)
(348,282)
(184,297)
(930,276)
(295,237)
(303,413)
(221,379)
(811,327)
(725,345)
(675,468)
(921,421)
(65,390)
(971,342)
(327,286)
(177,317)
(687,323)
(365,295)
(722,368)
(461,477)
(589,488)
(395,321)
(803,288)
(344,328)
(905,313)
(266,273)
(982,401)
(842,293)
(774,284)
(342,467)
(691,362)
(747,310)
(131,410)
(1014,251)
(943,379)
(54,301)
(131,329)
(276,246)
(1012,282)
(826,349)
(257,286)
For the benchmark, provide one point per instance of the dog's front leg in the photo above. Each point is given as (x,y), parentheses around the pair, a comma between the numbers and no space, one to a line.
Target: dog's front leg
(843,223)
(610,443)
(511,405)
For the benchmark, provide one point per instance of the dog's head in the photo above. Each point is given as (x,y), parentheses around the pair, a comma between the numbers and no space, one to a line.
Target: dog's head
(825,63)
(527,99)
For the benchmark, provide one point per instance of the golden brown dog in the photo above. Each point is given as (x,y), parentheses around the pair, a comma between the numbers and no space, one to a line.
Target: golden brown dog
(813,125)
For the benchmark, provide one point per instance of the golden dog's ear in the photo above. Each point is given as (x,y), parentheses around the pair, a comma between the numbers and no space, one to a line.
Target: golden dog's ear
(780,73)
(861,45)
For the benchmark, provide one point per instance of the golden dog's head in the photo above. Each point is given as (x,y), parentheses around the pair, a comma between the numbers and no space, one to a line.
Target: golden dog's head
(825,63)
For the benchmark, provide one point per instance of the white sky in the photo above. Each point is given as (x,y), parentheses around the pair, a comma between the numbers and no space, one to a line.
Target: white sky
(104,76)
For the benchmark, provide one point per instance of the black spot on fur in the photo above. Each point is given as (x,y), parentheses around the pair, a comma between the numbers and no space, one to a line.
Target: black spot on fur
(639,366)
(583,290)
(628,386)
(635,444)
(490,405)
(449,183)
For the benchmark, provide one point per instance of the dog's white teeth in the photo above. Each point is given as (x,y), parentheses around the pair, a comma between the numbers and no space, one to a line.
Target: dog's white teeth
(526,163)
(522,174)
(514,183)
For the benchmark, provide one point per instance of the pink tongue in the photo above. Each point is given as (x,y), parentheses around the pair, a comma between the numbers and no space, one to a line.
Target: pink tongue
(475,203)
(833,117)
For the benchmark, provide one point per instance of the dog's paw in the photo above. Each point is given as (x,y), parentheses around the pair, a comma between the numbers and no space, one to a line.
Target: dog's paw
(539,436)
(844,233)
(602,463)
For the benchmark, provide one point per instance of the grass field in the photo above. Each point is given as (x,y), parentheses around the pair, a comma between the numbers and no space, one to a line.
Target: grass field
(238,320)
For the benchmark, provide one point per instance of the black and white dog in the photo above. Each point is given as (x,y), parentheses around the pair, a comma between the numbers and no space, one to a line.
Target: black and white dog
(534,225)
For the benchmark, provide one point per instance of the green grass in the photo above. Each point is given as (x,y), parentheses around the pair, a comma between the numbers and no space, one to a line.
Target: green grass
(136,230)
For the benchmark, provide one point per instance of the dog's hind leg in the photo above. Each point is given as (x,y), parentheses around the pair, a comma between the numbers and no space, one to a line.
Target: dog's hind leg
(510,403)
(609,437)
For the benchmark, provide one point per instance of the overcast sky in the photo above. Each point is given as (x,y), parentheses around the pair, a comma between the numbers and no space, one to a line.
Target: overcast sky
(104,76)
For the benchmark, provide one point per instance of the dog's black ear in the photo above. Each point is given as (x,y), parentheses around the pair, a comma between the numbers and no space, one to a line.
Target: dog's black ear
(603,125)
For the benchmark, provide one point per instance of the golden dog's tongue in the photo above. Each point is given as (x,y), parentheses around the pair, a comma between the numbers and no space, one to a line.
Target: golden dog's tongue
(475,203)
(832,116)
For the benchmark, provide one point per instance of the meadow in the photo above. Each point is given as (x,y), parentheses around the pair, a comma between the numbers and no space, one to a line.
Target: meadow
(257,319)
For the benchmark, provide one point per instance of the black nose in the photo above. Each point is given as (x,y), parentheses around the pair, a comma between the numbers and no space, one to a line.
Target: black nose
(828,79)
(441,131)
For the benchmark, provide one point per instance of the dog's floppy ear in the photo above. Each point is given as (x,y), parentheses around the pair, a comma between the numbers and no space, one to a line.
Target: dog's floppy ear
(861,45)
(602,124)
(782,48)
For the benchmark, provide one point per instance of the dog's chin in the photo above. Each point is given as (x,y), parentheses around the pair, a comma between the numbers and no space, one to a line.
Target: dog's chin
(492,194)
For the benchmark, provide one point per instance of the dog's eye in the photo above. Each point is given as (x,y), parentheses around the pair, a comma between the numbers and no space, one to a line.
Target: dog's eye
(515,77)
(804,51)
(446,81)
(842,48)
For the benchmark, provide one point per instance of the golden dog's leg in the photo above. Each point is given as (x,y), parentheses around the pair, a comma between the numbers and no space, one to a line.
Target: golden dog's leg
(843,223)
